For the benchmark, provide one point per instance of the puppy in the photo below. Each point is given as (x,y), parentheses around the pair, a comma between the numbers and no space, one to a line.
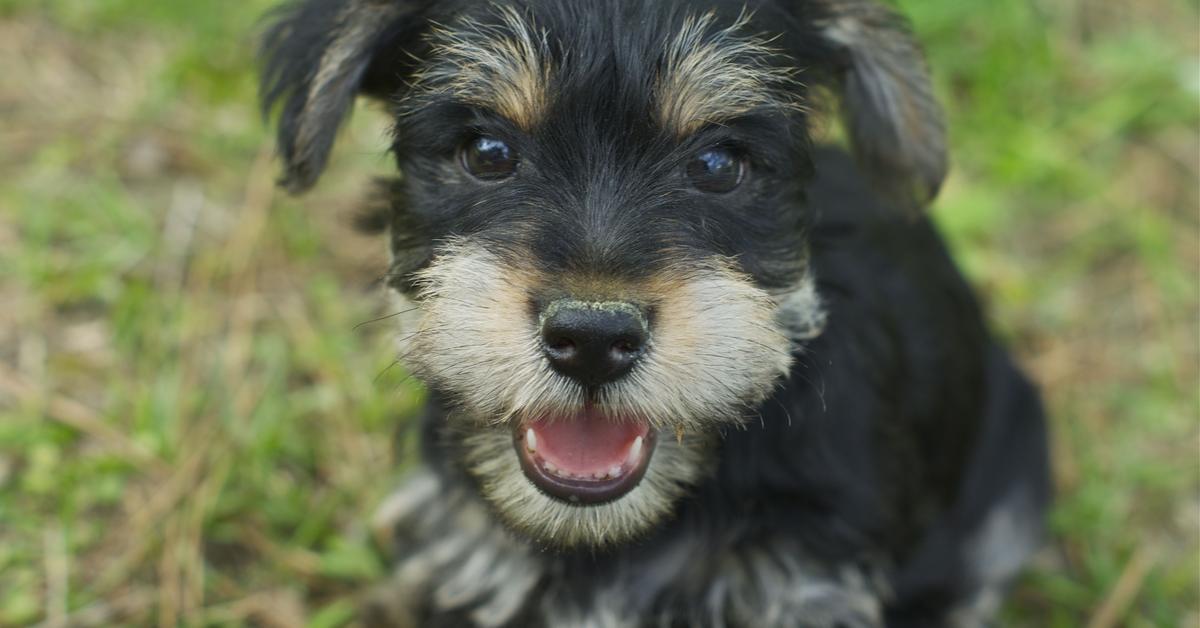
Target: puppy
(686,368)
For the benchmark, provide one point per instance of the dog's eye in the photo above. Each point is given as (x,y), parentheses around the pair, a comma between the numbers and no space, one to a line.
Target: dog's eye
(715,170)
(488,158)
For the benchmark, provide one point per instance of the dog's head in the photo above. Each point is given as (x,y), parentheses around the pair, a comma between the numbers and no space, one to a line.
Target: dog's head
(599,226)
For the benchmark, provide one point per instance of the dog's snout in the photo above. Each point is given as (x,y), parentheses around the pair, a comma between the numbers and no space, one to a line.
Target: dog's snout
(593,342)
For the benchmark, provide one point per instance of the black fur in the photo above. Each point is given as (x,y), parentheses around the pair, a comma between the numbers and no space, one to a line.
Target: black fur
(901,430)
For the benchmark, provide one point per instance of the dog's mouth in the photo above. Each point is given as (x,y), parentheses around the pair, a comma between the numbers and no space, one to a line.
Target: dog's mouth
(586,458)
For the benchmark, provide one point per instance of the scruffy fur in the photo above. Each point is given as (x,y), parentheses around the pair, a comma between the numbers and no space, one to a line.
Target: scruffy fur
(837,441)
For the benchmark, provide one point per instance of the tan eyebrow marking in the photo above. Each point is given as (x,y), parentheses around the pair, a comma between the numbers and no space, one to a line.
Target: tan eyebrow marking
(503,67)
(710,76)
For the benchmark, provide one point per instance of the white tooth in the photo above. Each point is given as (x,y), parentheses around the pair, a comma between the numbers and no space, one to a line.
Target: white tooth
(599,475)
(635,451)
(530,440)
(614,472)
(550,468)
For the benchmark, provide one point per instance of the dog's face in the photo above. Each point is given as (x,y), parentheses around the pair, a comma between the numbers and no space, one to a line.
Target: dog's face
(613,228)
(599,233)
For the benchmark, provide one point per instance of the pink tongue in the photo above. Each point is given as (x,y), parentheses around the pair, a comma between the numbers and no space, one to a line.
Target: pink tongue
(586,444)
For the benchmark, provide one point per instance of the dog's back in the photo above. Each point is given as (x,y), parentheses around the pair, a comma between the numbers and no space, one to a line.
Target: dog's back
(961,430)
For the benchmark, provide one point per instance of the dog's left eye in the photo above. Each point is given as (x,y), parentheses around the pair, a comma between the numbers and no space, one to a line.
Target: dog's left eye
(715,170)
(488,158)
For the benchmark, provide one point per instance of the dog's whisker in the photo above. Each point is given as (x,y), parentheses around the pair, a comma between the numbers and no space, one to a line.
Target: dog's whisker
(385,370)
(386,317)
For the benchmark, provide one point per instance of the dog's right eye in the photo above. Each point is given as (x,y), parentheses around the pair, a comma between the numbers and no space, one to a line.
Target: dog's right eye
(488,158)
(715,170)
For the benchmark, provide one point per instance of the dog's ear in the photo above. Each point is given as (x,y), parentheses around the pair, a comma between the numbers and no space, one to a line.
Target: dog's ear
(317,56)
(894,123)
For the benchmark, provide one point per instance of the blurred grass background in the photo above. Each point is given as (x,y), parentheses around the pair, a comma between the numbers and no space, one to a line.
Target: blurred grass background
(195,424)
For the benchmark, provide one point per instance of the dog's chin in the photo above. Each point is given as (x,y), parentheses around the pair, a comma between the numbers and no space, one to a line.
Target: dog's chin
(586,457)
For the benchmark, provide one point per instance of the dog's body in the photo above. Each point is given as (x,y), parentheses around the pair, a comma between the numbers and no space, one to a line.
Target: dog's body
(685,369)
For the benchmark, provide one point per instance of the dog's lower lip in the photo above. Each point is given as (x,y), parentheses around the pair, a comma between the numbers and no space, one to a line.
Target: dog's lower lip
(606,475)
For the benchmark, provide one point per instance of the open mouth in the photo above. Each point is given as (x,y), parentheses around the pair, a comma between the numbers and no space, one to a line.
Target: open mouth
(585,458)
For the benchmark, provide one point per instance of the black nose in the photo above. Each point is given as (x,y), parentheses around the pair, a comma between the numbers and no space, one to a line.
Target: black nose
(595,342)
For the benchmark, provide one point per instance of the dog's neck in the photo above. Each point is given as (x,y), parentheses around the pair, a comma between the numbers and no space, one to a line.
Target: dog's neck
(455,560)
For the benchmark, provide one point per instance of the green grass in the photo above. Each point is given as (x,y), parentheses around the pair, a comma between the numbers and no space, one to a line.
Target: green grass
(194,427)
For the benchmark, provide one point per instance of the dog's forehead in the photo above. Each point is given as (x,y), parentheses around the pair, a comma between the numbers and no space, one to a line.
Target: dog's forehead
(684,67)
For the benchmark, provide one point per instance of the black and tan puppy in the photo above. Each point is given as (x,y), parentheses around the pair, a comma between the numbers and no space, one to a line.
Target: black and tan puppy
(686,368)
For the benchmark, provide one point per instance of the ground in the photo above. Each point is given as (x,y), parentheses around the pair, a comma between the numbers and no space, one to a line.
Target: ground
(197,409)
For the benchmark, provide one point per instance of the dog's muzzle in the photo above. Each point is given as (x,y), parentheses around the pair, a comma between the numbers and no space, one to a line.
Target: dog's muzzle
(586,407)
(590,456)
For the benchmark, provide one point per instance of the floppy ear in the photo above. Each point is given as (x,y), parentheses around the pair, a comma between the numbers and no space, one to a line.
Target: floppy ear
(890,113)
(318,55)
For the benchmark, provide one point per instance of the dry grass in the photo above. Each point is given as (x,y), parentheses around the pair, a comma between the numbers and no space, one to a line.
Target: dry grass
(193,426)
